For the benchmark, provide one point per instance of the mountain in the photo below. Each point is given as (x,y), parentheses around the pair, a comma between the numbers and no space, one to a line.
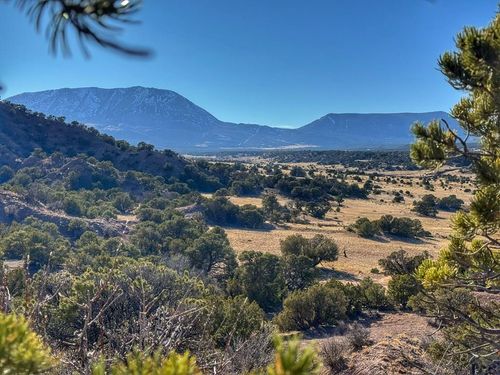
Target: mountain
(365,131)
(168,120)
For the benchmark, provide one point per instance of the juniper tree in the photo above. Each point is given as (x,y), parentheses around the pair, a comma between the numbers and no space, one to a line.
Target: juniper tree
(462,284)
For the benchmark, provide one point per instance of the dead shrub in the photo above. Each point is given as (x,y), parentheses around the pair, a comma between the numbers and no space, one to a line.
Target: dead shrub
(333,353)
(358,336)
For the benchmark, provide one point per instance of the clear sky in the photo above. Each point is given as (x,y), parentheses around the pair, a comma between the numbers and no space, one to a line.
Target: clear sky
(272,62)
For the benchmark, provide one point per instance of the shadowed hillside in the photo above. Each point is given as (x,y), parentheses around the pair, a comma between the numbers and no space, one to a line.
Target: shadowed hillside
(23,131)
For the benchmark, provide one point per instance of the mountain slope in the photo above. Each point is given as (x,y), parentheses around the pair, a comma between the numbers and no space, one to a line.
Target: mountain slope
(168,120)
(160,117)
(21,132)
(355,130)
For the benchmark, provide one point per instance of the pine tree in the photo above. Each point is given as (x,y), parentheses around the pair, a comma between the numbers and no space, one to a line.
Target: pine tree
(92,21)
(21,350)
(462,284)
(291,359)
(138,364)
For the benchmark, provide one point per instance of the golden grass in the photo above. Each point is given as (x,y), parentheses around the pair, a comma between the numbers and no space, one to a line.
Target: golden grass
(362,254)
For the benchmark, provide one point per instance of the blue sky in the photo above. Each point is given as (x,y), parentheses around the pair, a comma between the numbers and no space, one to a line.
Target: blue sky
(273,62)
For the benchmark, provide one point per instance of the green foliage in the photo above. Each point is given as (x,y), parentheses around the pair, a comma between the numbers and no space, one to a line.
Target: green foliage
(292,359)
(232,320)
(87,23)
(318,248)
(312,307)
(450,203)
(471,261)
(39,242)
(299,271)
(297,171)
(388,224)
(250,216)
(123,202)
(72,206)
(318,209)
(365,227)
(139,364)
(275,212)
(400,263)
(372,295)
(211,252)
(221,211)
(401,288)
(402,227)
(6,173)
(21,350)
(427,206)
(260,278)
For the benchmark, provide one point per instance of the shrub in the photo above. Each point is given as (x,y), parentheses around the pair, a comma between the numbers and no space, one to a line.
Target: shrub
(398,199)
(232,319)
(259,277)
(43,245)
(318,209)
(297,171)
(212,252)
(313,307)
(292,359)
(298,272)
(221,211)
(295,244)
(365,227)
(450,203)
(73,206)
(6,173)
(401,288)
(357,336)
(400,263)
(402,227)
(273,211)
(354,297)
(249,216)
(318,248)
(373,295)
(221,193)
(427,206)
(333,354)
(123,202)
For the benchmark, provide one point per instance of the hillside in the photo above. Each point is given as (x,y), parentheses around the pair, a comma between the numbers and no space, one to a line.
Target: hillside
(21,132)
(168,120)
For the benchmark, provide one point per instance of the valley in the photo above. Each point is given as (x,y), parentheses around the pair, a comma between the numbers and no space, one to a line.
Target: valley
(222,218)
(310,200)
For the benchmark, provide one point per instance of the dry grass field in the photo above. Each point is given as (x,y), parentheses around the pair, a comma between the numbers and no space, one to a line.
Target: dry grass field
(362,254)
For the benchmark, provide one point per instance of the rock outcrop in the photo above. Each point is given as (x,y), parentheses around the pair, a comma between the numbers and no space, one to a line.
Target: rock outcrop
(14,208)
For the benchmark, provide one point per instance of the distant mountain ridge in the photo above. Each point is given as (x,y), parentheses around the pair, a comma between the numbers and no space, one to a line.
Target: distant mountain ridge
(168,120)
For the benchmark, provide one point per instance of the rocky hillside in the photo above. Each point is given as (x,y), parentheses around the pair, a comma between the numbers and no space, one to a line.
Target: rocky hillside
(14,207)
(21,132)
